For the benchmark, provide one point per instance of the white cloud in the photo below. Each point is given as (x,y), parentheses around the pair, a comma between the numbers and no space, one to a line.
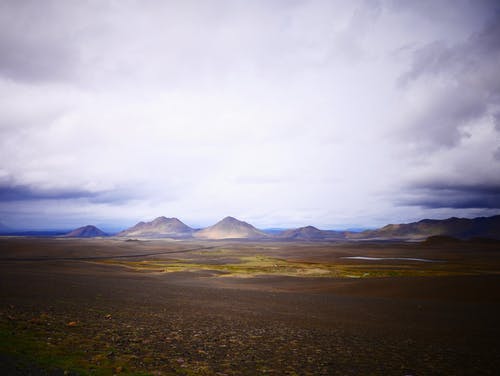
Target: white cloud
(281,113)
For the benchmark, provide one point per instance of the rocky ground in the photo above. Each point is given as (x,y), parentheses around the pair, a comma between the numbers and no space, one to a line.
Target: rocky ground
(79,316)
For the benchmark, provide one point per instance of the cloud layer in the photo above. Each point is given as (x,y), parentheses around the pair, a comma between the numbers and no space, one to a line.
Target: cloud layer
(335,114)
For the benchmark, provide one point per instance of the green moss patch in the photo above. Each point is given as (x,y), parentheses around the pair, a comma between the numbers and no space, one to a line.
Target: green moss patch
(46,343)
(256,265)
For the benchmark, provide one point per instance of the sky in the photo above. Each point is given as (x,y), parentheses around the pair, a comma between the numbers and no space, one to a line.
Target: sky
(336,114)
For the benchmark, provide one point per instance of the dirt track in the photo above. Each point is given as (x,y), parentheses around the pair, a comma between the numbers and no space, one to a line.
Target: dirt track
(194,323)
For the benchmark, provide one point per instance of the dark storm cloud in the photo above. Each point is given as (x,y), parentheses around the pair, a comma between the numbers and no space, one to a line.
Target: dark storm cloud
(26,193)
(441,195)
(457,87)
(14,193)
(464,80)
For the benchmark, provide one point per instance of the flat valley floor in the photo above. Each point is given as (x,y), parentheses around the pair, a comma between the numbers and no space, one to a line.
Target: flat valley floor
(160,307)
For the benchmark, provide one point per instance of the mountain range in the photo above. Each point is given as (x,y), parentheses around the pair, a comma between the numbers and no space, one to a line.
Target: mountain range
(460,228)
(232,228)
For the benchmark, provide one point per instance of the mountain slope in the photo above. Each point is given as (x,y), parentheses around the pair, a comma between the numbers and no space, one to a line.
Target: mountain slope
(88,231)
(160,227)
(461,228)
(230,228)
(310,233)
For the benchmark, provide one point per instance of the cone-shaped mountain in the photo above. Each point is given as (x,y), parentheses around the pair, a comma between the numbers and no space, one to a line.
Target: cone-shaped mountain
(311,233)
(160,227)
(88,231)
(308,232)
(230,228)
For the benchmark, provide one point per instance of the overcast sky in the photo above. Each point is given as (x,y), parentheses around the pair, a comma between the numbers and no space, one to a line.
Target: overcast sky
(281,113)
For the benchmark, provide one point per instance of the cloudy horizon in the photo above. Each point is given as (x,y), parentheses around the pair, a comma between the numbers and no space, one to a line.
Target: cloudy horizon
(280,113)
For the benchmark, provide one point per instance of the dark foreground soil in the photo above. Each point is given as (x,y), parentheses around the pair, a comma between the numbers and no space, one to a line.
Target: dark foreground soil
(62,312)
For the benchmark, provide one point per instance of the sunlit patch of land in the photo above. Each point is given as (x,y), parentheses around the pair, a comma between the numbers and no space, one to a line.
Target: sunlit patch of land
(225,263)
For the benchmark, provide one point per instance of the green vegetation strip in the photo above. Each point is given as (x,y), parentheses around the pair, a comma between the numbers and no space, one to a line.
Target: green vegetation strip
(250,266)
(30,347)
(46,343)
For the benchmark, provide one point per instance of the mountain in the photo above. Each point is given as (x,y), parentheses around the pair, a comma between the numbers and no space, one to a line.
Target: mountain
(230,228)
(160,227)
(88,231)
(310,233)
(460,228)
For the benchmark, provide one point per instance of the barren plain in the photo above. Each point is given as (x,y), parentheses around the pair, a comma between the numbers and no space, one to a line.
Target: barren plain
(160,307)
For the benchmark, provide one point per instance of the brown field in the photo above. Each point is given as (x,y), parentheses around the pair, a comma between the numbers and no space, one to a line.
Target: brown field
(159,307)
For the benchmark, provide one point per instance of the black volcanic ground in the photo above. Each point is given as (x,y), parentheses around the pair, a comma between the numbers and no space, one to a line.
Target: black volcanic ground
(113,306)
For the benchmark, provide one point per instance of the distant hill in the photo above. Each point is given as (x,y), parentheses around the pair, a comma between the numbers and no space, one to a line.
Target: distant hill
(230,228)
(460,228)
(310,233)
(88,231)
(160,227)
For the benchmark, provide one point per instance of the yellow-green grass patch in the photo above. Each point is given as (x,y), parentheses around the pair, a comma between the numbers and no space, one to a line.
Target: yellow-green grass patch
(255,265)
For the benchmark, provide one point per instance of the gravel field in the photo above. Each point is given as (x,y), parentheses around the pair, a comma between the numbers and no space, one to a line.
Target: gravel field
(64,310)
